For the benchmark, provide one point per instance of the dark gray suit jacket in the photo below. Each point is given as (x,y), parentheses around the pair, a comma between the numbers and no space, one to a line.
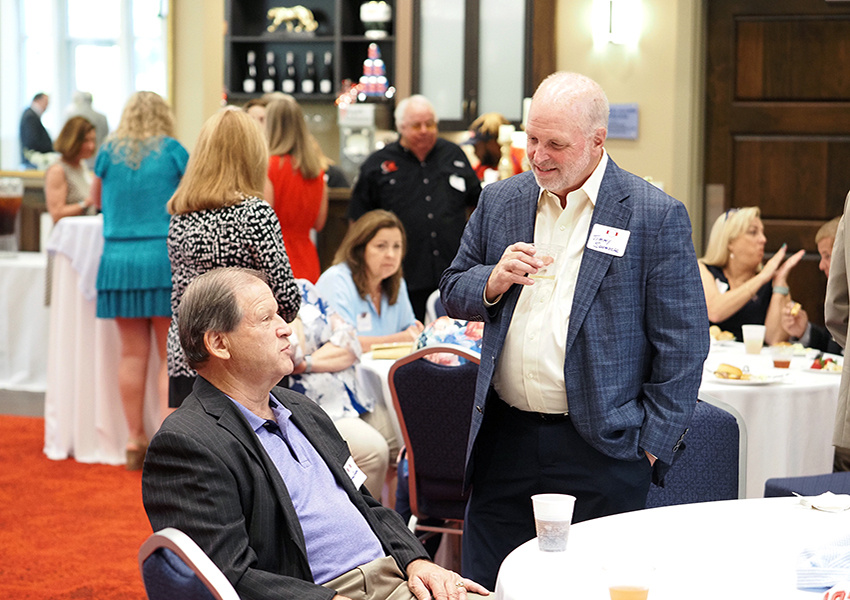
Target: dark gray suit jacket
(207,474)
(638,331)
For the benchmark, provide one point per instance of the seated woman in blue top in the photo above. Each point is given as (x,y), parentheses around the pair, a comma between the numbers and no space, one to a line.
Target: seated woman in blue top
(366,286)
(739,290)
(325,352)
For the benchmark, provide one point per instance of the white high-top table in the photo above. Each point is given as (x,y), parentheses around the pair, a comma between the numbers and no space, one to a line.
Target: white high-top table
(83,415)
(23,322)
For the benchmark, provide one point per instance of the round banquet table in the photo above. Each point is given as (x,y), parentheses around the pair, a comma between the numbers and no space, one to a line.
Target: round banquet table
(709,550)
(789,423)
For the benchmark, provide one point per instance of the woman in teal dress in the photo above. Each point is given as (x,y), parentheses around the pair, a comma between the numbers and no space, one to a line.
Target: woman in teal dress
(137,171)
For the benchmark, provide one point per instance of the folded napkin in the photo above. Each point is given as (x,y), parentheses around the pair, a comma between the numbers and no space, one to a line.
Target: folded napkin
(827,502)
(824,566)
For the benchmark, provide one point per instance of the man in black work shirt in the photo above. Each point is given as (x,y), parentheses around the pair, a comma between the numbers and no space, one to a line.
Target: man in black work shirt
(427,181)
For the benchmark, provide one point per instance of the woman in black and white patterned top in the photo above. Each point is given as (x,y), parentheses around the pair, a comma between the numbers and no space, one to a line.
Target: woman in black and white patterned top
(219,221)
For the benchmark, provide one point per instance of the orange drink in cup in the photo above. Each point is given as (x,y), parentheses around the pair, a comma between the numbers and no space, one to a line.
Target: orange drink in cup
(628,592)
(629,580)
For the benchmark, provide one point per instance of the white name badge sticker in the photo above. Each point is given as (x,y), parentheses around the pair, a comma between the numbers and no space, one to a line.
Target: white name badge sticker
(364,322)
(457,182)
(357,476)
(608,240)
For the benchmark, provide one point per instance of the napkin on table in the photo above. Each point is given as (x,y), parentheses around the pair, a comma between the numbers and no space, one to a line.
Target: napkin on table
(823,566)
(827,502)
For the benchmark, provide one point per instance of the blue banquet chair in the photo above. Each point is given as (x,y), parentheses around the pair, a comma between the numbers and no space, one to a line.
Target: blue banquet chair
(434,407)
(713,465)
(173,567)
(811,485)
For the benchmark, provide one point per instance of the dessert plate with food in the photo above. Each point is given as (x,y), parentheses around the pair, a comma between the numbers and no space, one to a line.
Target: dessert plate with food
(825,365)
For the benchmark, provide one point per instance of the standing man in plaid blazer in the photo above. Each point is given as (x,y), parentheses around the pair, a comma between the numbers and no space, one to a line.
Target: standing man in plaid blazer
(587,381)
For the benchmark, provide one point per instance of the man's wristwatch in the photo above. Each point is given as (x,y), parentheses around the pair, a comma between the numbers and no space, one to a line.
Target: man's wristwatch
(308,363)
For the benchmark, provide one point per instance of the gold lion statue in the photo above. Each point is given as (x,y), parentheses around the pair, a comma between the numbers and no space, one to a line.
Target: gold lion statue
(297,18)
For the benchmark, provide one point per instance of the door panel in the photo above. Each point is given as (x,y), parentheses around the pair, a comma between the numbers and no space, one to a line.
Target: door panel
(797,59)
(778,122)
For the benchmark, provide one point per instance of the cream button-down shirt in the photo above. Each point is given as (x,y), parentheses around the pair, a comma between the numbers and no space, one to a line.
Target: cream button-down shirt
(530,372)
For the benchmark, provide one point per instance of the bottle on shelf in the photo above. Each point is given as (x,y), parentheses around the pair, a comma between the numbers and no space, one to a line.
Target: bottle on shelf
(249,84)
(308,83)
(289,84)
(270,80)
(326,81)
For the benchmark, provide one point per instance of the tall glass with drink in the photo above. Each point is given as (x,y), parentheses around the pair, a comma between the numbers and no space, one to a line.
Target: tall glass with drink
(753,338)
(551,255)
(11,197)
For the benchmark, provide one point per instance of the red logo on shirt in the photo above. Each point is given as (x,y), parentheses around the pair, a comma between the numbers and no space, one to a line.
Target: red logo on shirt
(388,166)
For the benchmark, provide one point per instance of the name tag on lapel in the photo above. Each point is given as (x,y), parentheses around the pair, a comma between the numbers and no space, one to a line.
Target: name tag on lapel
(357,476)
(608,240)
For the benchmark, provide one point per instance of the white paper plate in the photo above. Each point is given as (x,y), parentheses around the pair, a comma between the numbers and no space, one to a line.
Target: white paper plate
(821,371)
(723,343)
(766,380)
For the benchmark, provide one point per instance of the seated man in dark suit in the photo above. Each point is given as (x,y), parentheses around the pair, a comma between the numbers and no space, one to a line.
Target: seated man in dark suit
(795,320)
(259,477)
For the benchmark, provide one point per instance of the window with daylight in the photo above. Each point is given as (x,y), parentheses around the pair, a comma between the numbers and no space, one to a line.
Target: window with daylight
(110,48)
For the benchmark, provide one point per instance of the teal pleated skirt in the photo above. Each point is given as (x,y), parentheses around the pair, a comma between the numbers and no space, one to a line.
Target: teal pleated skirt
(134,279)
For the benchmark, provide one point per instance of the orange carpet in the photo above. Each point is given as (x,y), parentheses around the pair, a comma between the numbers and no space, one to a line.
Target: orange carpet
(68,531)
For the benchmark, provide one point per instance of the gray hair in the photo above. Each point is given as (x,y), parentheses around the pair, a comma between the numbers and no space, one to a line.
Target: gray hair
(415,100)
(81,97)
(210,304)
(580,92)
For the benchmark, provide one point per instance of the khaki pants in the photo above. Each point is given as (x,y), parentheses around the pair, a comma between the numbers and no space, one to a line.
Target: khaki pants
(380,579)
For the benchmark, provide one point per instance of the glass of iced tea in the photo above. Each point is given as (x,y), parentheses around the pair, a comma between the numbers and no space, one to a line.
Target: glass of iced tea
(782,354)
(629,581)
(11,197)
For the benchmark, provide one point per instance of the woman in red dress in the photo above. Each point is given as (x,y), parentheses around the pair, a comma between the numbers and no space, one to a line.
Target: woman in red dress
(296,184)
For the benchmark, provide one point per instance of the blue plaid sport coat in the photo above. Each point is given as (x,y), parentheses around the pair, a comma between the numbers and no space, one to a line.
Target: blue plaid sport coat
(638,331)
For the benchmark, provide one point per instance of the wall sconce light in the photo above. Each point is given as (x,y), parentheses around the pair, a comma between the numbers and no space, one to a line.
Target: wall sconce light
(617,21)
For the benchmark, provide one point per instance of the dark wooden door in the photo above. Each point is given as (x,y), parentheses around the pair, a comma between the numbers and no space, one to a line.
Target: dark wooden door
(778,122)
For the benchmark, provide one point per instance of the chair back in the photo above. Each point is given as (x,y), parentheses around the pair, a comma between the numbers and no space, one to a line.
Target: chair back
(434,406)
(808,485)
(713,464)
(173,566)
(434,307)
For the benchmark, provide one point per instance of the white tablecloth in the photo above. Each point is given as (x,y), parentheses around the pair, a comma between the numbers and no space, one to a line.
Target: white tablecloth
(789,424)
(373,375)
(83,415)
(735,549)
(23,322)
